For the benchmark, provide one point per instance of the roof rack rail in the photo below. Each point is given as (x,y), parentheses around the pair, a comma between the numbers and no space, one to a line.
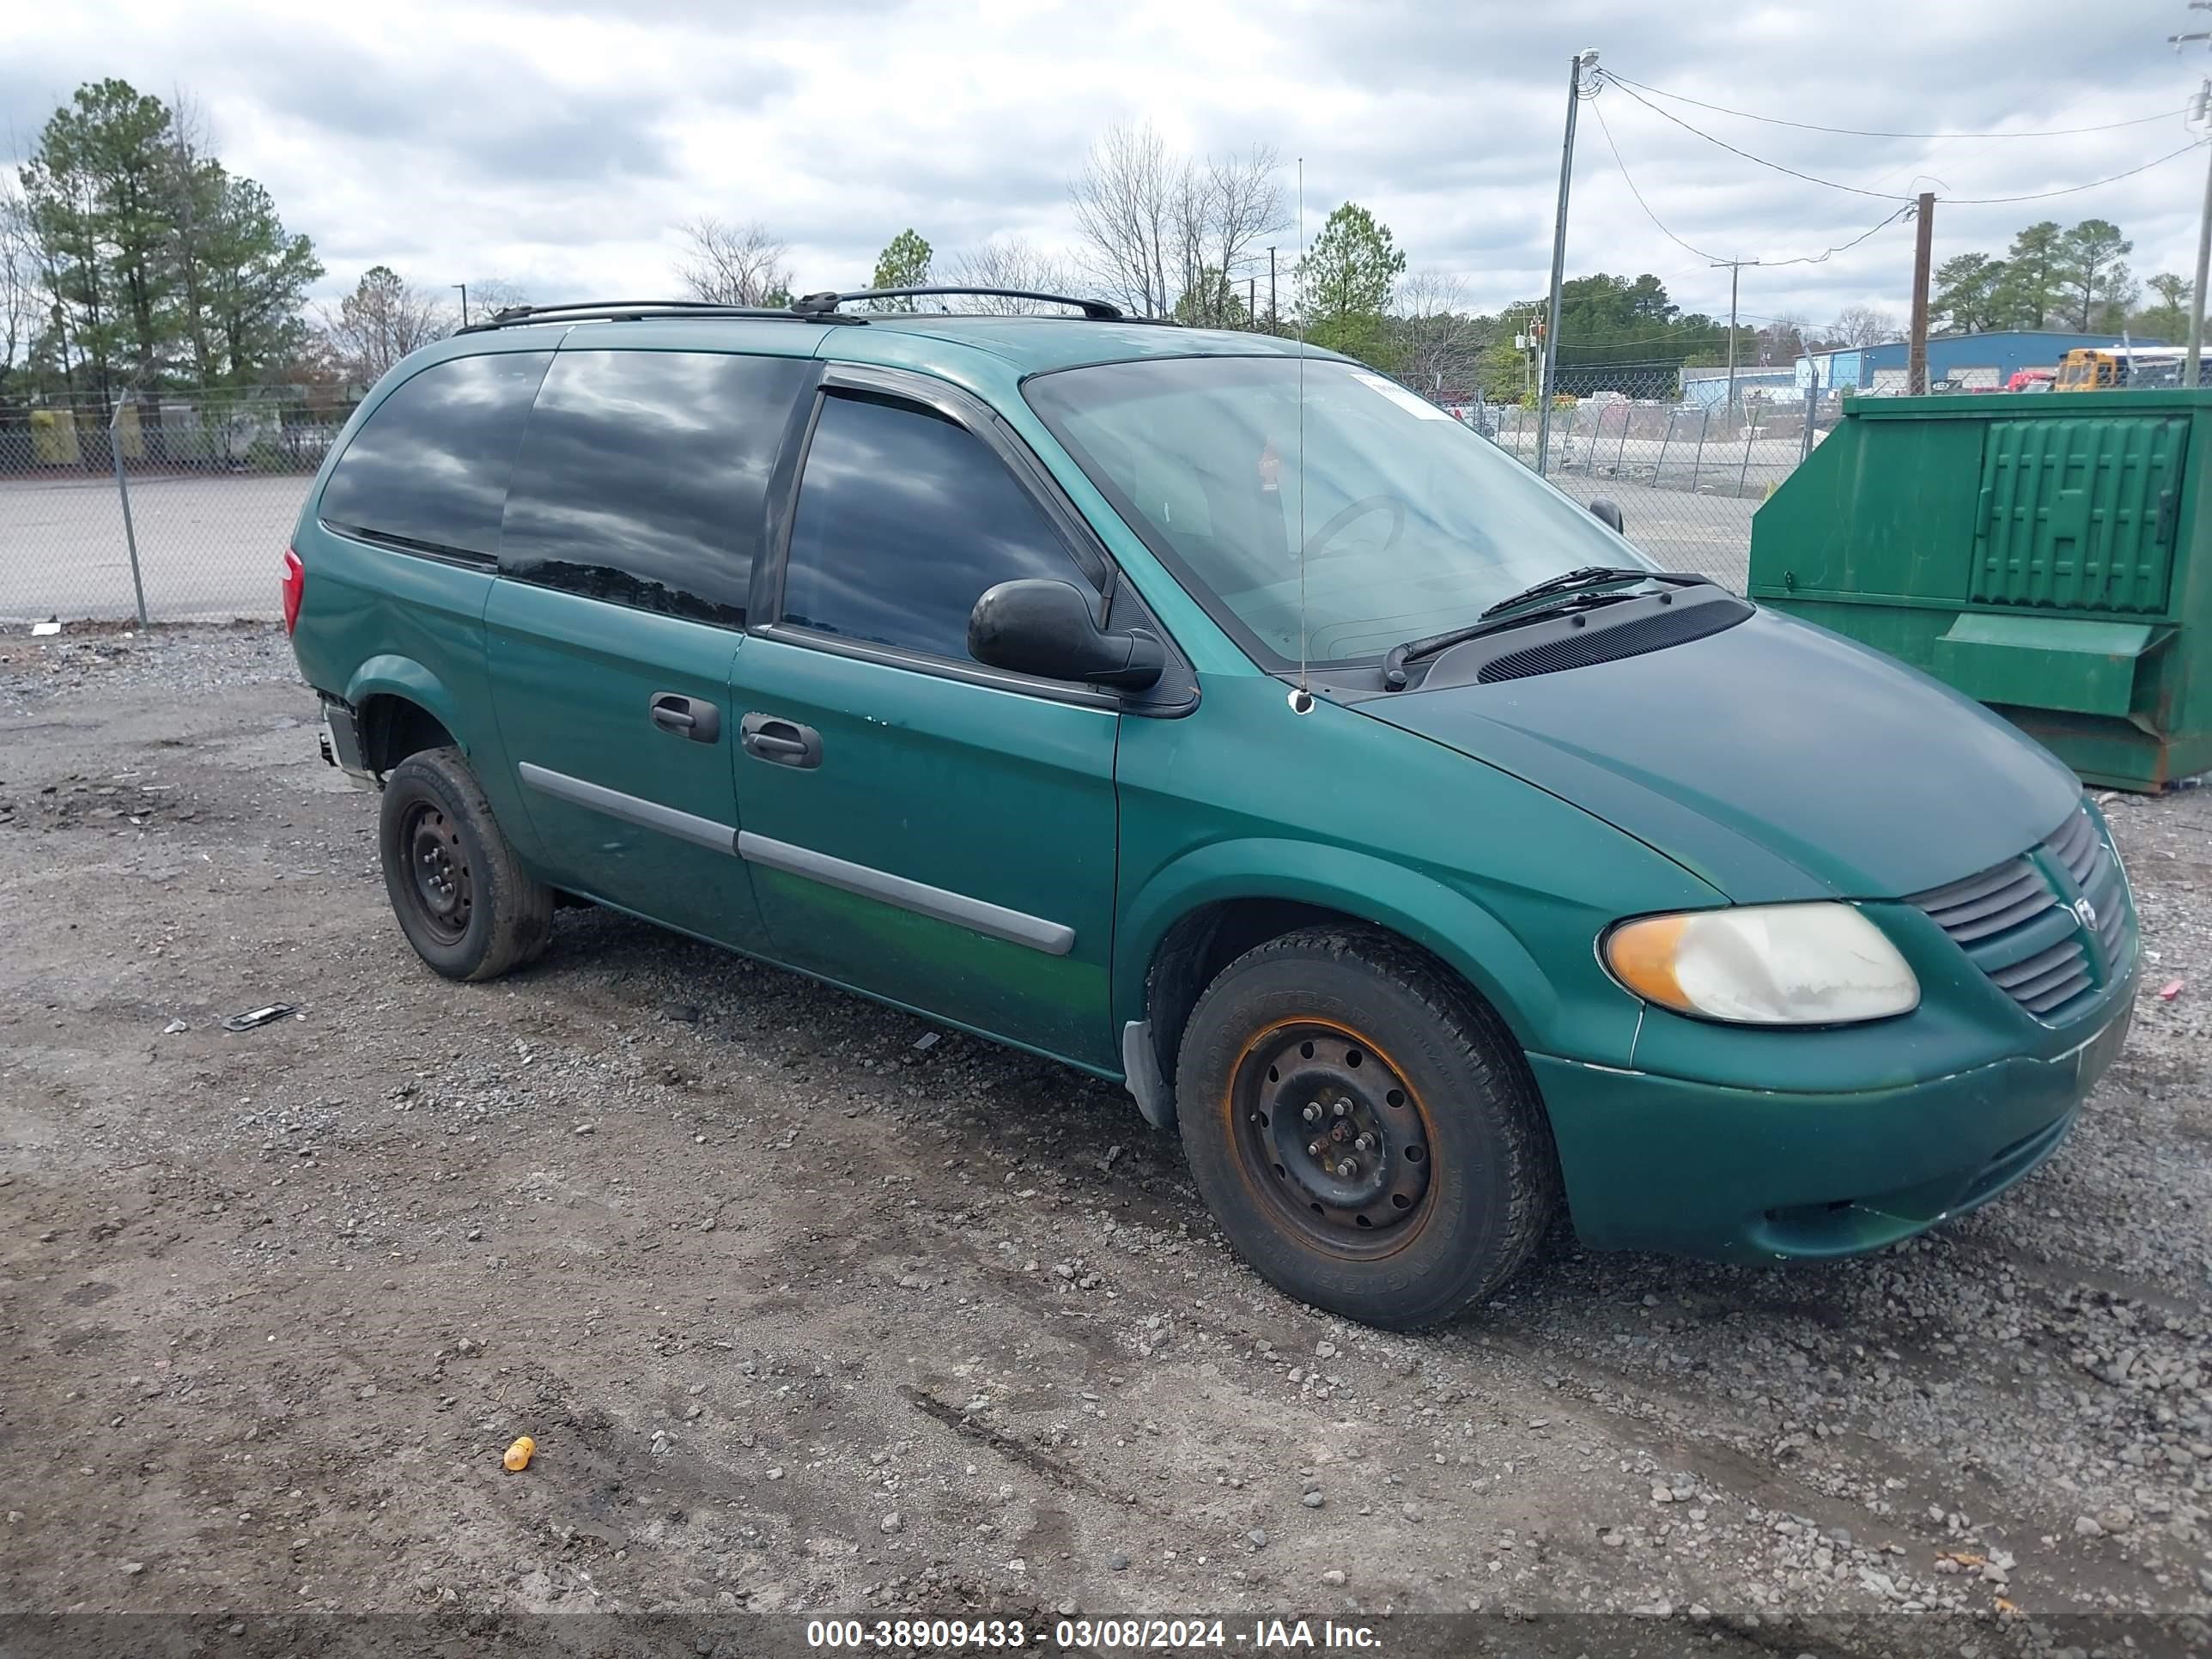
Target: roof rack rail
(640,311)
(823,305)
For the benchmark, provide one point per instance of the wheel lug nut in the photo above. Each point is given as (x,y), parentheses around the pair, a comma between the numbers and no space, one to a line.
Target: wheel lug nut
(1313,1111)
(1343,1109)
(1314,1149)
(1365,1143)
(1348,1169)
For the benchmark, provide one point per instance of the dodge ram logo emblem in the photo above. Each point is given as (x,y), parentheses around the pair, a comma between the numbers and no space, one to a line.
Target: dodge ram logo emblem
(2088,912)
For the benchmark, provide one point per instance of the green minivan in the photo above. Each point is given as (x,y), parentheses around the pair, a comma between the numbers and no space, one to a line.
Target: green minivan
(1218,717)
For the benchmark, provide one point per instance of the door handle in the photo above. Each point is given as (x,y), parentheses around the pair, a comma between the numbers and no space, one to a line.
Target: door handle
(780,742)
(686,717)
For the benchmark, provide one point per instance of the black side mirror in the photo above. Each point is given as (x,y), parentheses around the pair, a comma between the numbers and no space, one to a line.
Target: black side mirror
(1045,628)
(1608,512)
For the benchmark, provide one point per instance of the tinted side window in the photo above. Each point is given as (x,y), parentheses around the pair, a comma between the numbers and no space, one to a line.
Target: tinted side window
(644,477)
(429,468)
(903,520)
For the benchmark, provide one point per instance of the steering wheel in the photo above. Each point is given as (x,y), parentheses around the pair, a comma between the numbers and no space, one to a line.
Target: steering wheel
(1359,509)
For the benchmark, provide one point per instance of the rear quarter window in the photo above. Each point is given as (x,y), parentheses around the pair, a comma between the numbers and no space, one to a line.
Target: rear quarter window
(427,470)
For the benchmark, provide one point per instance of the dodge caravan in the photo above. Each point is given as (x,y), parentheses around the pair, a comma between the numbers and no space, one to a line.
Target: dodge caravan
(1220,718)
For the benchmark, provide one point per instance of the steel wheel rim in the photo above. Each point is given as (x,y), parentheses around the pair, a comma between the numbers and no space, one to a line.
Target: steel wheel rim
(439,884)
(1329,1132)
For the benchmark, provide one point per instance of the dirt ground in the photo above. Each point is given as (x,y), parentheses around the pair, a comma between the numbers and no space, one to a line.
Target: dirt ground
(808,1315)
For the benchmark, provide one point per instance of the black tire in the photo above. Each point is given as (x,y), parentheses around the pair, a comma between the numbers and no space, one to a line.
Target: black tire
(465,903)
(1453,1177)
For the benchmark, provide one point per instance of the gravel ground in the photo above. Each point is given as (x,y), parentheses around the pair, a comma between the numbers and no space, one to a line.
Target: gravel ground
(804,1316)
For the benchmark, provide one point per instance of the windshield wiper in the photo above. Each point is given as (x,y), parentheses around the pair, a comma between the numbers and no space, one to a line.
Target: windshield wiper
(1589,575)
(1566,588)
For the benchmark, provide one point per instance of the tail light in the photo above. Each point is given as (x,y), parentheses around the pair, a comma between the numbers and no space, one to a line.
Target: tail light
(295,588)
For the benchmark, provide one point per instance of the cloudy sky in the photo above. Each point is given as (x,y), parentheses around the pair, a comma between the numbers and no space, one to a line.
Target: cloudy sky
(557,147)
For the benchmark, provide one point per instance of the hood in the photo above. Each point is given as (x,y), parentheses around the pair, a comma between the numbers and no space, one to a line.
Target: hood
(1774,760)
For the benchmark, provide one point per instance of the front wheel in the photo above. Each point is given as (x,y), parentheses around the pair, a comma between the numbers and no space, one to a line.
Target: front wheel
(1366,1132)
(465,903)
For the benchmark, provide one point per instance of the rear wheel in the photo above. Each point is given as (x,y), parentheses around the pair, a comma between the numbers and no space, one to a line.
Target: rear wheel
(467,906)
(1366,1132)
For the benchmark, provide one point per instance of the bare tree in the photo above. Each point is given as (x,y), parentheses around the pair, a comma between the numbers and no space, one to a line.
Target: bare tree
(489,296)
(734,264)
(1784,339)
(1169,234)
(19,278)
(1240,205)
(1009,262)
(1863,325)
(1437,337)
(1122,200)
(384,319)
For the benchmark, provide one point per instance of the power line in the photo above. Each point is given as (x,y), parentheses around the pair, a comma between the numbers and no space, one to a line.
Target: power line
(1884,195)
(1810,178)
(1821,258)
(1669,116)
(1867,132)
(2071,189)
(1826,253)
(1713,325)
(1597,110)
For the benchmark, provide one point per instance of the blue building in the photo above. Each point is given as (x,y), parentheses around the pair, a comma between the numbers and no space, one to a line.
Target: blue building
(1966,361)
(1707,388)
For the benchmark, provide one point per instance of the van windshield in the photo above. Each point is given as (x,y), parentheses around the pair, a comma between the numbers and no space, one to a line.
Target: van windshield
(1413,524)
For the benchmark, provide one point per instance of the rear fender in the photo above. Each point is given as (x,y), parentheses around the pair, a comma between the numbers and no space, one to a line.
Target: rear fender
(403,676)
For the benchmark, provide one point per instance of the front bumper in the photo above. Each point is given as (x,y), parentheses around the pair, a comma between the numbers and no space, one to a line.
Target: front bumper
(1740,1175)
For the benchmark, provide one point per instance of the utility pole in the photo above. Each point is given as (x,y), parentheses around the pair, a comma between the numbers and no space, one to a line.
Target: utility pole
(1272,322)
(464,288)
(1576,65)
(2204,265)
(1252,301)
(1735,272)
(2200,110)
(1916,356)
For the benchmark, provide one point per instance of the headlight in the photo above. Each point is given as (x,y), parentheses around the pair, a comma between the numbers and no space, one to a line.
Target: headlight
(1764,965)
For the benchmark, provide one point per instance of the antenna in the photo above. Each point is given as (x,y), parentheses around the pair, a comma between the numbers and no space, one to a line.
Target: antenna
(1301,701)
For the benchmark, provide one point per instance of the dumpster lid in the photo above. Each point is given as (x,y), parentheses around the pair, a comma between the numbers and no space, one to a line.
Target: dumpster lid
(2047,662)
(2072,635)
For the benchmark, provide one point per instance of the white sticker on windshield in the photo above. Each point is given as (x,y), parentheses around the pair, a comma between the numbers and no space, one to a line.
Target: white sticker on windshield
(1398,395)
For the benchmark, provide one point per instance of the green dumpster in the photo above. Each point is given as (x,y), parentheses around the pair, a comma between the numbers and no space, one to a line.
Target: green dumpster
(2051,556)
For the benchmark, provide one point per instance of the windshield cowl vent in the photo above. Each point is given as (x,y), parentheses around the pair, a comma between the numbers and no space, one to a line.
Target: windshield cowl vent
(1632,638)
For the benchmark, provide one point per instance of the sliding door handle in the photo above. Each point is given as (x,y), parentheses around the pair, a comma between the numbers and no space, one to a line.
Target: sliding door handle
(685,717)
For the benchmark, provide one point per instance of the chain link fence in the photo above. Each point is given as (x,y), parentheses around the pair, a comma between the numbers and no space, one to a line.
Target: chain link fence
(1686,456)
(176,508)
(171,509)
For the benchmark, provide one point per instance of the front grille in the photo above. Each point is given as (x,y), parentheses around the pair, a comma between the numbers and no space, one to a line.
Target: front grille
(2018,927)
(2096,873)
(1992,902)
(2047,979)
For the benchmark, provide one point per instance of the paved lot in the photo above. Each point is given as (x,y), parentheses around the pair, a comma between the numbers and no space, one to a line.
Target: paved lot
(805,1316)
(1709,534)
(209,548)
